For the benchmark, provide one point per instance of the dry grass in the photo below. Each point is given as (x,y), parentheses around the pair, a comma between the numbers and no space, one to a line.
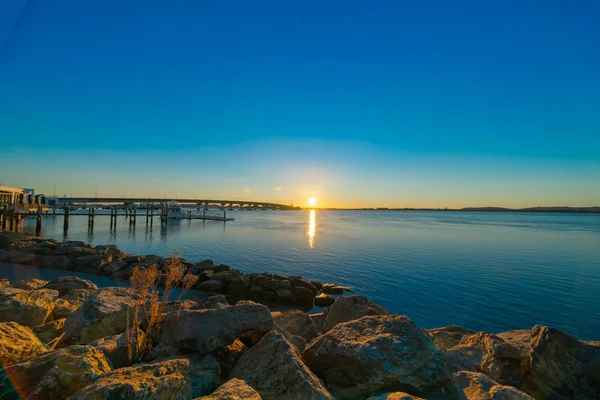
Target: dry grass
(150,304)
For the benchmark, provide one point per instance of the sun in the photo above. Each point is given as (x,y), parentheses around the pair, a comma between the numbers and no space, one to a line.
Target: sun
(312,201)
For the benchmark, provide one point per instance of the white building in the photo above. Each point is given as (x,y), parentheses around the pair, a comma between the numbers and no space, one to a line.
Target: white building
(10,195)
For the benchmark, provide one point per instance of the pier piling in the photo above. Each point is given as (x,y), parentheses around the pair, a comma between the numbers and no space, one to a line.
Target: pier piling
(66,217)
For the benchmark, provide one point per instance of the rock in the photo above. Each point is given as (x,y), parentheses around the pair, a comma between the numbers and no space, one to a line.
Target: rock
(323,300)
(127,272)
(102,314)
(319,321)
(256,292)
(92,263)
(271,284)
(205,265)
(330,288)
(4,282)
(520,339)
(317,285)
(297,323)
(561,367)
(80,251)
(477,386)
(377,353)
(275,370)
(228,356)
(234,389)
(65,284)
(229,276)
(221,268)
(204,276)
(238,289)
(17,343)
(114,267)
(395,396)
(213,286)
(285,284)
(49,331)
(349,308)
(207,330)
(56,374)
(158,380)
(19,257)
(114,348)
(284,296)
(70,302)
(132,259)
(299,282)
(448,336)
(30,284)
(303,296)
(203,374)
(29,308)
(488,354)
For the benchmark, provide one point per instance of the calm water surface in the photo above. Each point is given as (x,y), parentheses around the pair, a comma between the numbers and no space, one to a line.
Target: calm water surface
(484,271)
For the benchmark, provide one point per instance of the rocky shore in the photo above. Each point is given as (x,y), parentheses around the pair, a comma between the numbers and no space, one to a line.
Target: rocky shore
(67,338)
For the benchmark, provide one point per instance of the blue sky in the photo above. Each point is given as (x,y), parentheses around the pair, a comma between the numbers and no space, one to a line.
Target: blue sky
(387,103)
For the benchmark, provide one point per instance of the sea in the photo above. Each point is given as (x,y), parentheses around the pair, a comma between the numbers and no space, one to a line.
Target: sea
(486,271)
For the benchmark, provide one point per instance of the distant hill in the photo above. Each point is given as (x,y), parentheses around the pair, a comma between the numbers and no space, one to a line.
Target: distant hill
(562,209)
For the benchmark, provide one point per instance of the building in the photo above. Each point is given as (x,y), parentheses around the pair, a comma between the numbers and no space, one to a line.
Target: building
(10,195)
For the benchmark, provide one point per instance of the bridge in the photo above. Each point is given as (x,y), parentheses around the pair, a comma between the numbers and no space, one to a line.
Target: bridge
(199,203)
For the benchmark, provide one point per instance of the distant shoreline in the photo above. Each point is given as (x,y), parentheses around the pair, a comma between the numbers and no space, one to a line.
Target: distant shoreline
(566,210)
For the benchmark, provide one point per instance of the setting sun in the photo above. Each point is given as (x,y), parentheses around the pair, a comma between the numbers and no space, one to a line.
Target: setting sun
(312,201)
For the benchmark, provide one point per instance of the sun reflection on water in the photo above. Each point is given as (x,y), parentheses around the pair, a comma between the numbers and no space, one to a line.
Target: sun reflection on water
(312,228)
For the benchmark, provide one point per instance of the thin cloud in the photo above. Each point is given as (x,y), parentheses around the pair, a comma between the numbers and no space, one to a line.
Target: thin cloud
(277,189)
(247,190)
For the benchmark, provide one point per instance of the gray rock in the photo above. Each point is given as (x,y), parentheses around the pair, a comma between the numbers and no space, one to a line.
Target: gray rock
(114,348)
(221,267)
(297,323)
(158,380)
(234,389)
(29,308)
(20,257)
(275,370)
(228,356)
(203,374)
(49,331)
(208,330)
(30,284)
(520,339)
(204,276)
(65,284)
(303,296)
(114,267)
(377,353)
(448,336)
(284,296)
(17,343)
(349,308)
(319,321)
(476,386)
(56,374)
(70,302)
(213,286)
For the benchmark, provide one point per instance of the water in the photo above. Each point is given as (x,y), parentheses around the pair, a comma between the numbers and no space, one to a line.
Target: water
(484,271)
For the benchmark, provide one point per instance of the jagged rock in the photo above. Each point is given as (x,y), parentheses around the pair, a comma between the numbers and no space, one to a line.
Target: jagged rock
(203,374)
(49,331)
(56,374)
(4,282)
(477,386)
(114,348)
(30,284)
(275,370)
(330,288)
(303,295)
(114,267)
(29,308)
(395,396)
(375,354)
(299,282)
(213,286)
(233,389)
(448,336)
(319,321)
(17,343)
(486,353)
(207,330)
(158,380)
(284,296)
(297,323)
(92,263)
(204,276)
(561,367)
(70,302)
(66,284)
(102,314)
(520,339)
(127,272)
(228,356)
(324,300)
(349,308)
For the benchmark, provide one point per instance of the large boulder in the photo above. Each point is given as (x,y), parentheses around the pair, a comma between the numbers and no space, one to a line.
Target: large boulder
(233,389)
(519,339)
(488,354)
(212,285)
(165,380)
(17,343)
(54,375)
(66,284)
(30,284)
(324,300)
(275,370)
(102,314)
(29,308)
(297,323)
(477,386)
(228,356)
(561,367)
(378,354)
(207,330)
(64,306)
(349,308)
(448,336)
(395,396)
(49,331)
(114,348)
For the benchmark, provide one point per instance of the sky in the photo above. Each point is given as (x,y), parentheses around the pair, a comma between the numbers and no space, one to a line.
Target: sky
(356,103)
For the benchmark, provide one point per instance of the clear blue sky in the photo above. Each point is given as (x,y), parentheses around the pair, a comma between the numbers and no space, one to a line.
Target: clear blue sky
(359,103)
